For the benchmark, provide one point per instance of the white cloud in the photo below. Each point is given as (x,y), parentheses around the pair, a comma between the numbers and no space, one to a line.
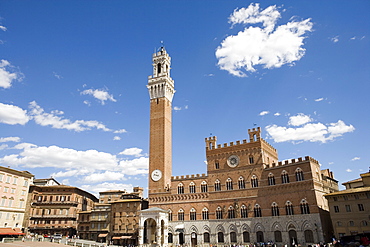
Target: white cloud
(348,170)
(65,158)
(262,113)
(116,138)
(270,46)
(8,74)
(299,119)
(312,132)
(100,94)
(3,146)
(132,152)
(10,139)
(11,114)
(105,176)
(3,28)
(355,158)
(319,99)
(120,131)
(57,76)
(335,39)
(51,119)
(135,166)
(69,173)
(277,114)
(177,108)
(90,166)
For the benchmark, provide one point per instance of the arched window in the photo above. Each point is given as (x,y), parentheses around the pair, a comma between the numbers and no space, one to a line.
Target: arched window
(180,188)
(233,237)
(254,181)
(205,214)
(308,236)
(289,208)
(271,179)
(159,66)
(243,211)
(170,215)
(257,211)
(170,238)
(217,185)
(278,236)
(180,215)
(299,174)
(206,237)
(219,213)
(192,187)
(231,213)
(229,184)
(364,223)
(220,237)
(305,209)
(193,214)
(274,209)
(241,183)
(246,237)
(217,165)
(204,187)
(284,177)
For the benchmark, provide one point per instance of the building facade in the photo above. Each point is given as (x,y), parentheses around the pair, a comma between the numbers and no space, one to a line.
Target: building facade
(114,219)
(53,209)
(247,194)
(350,208)
(14,186)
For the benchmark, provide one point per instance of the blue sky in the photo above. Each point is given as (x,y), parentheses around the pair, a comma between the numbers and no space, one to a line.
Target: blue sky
(73,75)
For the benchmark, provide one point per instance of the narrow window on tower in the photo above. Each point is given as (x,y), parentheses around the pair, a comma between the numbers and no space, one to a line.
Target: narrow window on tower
(159,68)
(217,165)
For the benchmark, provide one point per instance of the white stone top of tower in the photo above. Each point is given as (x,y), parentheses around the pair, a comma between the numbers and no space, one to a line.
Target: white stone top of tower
(160,84)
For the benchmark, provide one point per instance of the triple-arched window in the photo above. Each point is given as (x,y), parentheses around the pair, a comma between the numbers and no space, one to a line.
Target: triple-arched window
(193,214)
(180,188)
(192,187)
(254,181)
(219,213)
(289,208)
(275,209)
(271,179)
(231,213)
(217,185)
(284,177)
(257,211)
(305,209)
(205,214)
(229,184)
(299,174)
(241,183)
(243,211)
(204,187)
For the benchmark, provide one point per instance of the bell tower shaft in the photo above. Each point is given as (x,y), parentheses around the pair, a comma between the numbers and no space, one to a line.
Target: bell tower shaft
(161,91)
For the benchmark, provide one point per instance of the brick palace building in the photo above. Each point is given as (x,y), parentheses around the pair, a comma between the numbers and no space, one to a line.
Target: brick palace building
(246,196)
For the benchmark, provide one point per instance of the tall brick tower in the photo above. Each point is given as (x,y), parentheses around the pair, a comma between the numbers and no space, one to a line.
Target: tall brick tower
(161,91)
